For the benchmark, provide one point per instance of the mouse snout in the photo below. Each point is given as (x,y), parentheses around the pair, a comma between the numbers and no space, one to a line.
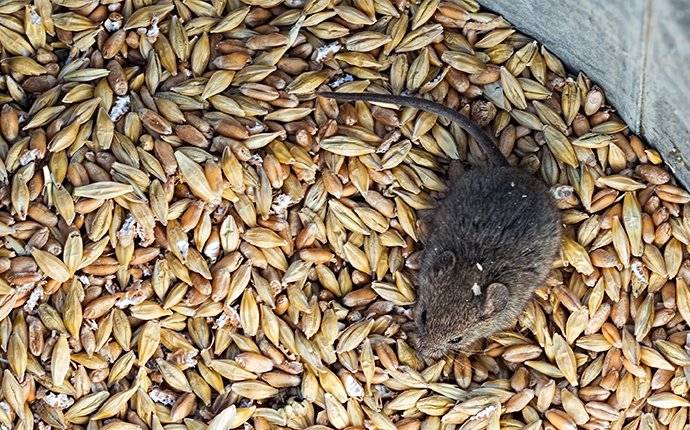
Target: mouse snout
(429,348)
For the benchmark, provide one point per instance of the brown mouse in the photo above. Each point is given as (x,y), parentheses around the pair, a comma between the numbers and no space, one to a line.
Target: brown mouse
(491,243)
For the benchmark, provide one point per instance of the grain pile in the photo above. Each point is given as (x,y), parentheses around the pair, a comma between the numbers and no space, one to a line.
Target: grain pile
(192,240)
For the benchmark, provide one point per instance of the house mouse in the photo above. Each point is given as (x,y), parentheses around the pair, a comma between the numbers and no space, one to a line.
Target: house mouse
(492,241)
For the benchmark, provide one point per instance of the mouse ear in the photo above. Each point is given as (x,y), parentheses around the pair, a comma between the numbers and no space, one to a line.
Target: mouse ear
(443,263)
(496,298)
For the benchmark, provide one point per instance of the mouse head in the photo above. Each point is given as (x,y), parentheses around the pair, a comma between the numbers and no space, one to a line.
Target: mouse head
(453,311)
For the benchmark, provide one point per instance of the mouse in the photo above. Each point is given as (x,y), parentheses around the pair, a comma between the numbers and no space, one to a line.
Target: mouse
(491,242)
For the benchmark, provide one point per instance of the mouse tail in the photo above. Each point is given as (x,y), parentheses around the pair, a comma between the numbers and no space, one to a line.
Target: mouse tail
(485,142)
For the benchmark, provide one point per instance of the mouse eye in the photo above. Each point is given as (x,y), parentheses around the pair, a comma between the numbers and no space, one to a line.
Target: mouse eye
(423,316)
(456,340)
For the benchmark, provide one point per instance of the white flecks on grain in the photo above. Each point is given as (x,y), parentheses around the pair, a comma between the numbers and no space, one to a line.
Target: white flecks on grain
(476,289)
(326,51)
(120,108)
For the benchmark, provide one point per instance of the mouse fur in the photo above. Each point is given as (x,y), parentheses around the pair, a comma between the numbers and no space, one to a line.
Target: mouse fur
(492,242)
